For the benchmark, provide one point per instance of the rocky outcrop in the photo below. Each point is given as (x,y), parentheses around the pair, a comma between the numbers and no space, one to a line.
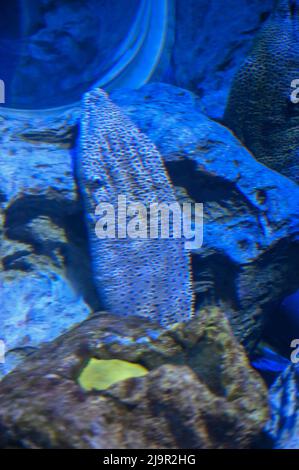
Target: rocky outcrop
(41,233)
(200,391)
(249,257)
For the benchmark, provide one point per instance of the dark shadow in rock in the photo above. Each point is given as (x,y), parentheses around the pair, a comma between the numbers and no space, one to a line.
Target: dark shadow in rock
(78,262)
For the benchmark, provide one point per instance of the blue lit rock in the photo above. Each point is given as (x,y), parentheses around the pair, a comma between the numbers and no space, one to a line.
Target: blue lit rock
(43,263)
(36,307)
(283,427)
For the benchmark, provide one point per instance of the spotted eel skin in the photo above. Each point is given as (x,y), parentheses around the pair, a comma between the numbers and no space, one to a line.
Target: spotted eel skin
(259,110)
(283,427)
(146,277)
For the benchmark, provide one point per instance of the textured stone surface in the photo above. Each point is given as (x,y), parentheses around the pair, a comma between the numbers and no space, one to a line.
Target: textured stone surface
(200,391)
(212,38)
(249,258)
(41,233)
(260,110)
(283,427)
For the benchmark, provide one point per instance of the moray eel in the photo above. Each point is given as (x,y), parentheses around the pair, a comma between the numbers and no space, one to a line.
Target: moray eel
(146,277)
(260,110)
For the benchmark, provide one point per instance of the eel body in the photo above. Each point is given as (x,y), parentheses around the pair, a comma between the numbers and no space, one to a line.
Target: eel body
(146,277)
(260,110)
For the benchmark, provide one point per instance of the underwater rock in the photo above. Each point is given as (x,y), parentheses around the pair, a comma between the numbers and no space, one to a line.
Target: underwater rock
(283,427)
(41,272)
(250,254)
(36,176)
(212,39)
(36,306)
(260,109)
(200,391)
